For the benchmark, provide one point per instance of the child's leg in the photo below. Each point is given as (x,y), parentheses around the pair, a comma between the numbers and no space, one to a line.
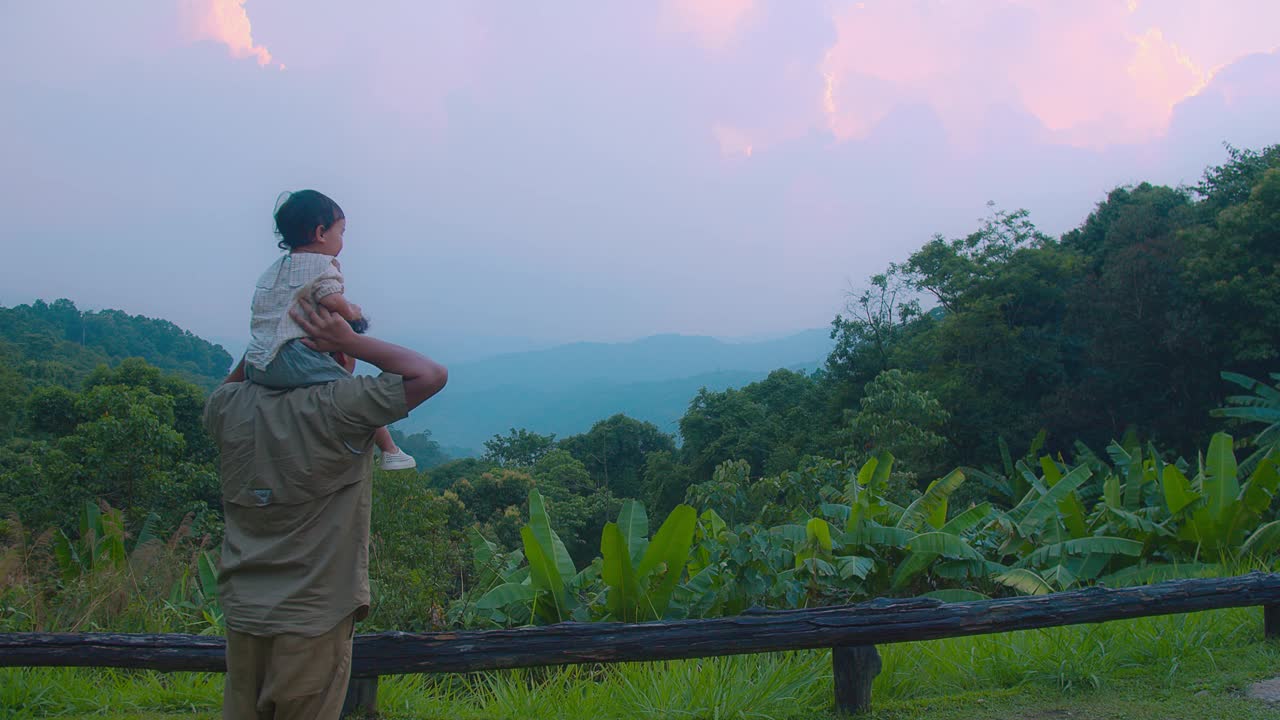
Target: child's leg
(383,438)
(296,365)
(392,457)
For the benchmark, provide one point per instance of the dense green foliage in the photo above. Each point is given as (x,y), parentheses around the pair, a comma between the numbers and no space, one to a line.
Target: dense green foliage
(1121,324)
(57,342)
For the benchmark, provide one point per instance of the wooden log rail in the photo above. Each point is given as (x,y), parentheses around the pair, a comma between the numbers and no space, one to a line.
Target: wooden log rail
(852,631)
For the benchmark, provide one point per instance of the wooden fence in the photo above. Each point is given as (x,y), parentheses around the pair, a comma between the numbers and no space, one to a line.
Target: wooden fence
(851,631)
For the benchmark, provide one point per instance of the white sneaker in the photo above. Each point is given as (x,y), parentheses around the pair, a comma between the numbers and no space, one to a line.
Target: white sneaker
(398,460)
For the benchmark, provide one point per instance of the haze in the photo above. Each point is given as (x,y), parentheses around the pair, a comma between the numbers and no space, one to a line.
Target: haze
(530,173)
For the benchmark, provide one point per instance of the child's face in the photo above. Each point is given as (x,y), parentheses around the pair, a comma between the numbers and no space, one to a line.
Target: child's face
(329,241)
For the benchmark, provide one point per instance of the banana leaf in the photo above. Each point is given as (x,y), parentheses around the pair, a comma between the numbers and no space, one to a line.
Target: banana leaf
(1024,581)
(619,575)
(931,507)
(669,547)
(633,522)
(1047,506)
(1177,489)
(506,594)
(540,524)
(551,603)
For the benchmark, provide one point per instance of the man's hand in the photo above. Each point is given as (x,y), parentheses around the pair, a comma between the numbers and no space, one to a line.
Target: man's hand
(326,331)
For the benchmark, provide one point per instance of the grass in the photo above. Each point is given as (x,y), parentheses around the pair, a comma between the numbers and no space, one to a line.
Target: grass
(1184,666)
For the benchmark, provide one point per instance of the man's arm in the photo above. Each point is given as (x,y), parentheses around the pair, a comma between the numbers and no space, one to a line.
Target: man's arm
(329,332)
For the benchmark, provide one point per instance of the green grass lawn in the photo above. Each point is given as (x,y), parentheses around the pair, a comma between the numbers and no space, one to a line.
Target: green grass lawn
(1187,666)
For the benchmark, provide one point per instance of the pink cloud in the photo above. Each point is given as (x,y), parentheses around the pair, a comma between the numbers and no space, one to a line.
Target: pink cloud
(1093,73)
(715,23)
(227,22)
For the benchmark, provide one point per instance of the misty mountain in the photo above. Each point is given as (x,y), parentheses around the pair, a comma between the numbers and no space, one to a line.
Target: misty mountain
(565,389)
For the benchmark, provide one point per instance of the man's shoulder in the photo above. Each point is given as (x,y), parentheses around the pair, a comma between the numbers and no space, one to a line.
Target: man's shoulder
(222,393)
(215,406)
(359,385)
(374,400)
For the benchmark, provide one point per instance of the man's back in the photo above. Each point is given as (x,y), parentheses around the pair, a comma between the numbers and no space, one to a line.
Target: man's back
(296,467)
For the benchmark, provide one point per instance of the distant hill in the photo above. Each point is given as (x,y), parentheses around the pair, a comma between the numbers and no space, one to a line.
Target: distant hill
(651,359)
(565,389)
(561,390)
(68,343)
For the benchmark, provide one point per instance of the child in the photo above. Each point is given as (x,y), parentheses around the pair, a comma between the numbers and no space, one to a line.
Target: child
(310,227)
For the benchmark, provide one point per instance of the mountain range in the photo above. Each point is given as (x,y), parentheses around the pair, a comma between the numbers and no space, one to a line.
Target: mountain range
(565,389)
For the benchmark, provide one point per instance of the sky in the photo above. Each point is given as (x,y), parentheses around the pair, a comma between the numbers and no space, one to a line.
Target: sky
(532,173)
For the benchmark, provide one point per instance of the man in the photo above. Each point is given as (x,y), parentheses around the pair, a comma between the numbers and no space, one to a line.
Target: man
(297,468)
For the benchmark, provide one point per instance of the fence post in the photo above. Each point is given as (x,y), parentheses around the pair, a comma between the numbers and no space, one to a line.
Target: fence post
(1271,622)
(362,698)
(854,668)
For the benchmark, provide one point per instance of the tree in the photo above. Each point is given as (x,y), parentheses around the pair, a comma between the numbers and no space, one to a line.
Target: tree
(1234,263)
(614,451)
(495,501)
(901,417)
(518,448)
(723,426)
(187,400)
(78,341)
(443,477)
(581,507)
(869,332)
(1129,312)
(665,481)
(51,411)
(423,449)
(13,391)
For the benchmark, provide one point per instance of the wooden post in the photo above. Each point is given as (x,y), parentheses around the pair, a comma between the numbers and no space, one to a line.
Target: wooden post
(854,668)
(1271,622)
(362,698)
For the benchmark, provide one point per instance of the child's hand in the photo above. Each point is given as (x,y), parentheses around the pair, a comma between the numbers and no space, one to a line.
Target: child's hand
(326,331)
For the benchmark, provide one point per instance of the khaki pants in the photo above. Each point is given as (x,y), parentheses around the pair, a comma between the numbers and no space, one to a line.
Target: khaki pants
(287,677)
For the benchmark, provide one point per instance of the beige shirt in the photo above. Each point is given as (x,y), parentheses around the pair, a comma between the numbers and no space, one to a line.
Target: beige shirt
(296,469)
(307,274)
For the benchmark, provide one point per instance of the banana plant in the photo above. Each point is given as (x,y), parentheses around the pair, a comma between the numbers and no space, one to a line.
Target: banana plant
(864,495)
(199,594)
(1263,406)
(1054,542)
(546,588)
(1217,513)
(641,574)
(101,543)
(1009,484)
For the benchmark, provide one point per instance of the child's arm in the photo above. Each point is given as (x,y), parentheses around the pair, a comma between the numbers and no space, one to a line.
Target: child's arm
(337,303)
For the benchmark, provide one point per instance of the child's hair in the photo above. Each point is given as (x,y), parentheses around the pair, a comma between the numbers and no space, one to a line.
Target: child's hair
(299,213)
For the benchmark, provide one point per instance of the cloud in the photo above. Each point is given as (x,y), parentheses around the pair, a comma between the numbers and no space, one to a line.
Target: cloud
(1094,73)
(715,23)
(224,21)
(504,162)
(733,141)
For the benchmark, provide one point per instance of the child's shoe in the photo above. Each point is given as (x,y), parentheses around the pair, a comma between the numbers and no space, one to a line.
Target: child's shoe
(398,460)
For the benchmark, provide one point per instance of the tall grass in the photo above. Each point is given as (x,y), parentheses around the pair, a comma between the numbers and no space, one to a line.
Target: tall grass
(1164,651)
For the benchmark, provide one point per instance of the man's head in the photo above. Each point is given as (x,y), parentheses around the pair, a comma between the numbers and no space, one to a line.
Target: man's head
(310,221)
